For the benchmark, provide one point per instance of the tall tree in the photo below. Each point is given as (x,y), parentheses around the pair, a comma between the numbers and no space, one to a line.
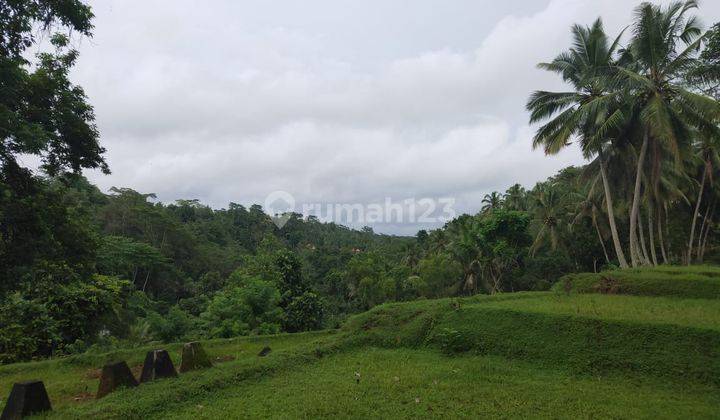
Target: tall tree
(42,114)
(589,112)
(589,206)
(548,209)
(663,48)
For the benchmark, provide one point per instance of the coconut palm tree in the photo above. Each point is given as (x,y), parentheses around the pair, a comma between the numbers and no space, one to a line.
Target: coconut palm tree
(664,112)
(491,202)
(589,206)
(549,209)
(708,150)
(590,112)
(515,198)
(463,249)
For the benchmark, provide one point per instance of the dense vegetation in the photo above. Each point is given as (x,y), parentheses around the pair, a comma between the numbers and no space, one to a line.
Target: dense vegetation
(79,267)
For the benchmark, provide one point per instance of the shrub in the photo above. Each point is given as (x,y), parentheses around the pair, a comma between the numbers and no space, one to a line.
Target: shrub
(172,327)
(44,319)
(453,342)
(240,310)
(305,312)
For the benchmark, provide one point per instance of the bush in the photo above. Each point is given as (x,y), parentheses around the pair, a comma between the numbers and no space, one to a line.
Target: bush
(45,319)
(440,275)
(304,313)
(453,342)
(241,310)
(172,327)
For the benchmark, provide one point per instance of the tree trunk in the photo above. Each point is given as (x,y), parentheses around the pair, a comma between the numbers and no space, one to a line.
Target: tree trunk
(660,236)
(611,216)
(667,232)
(702,229)
(695,215)
(651,235)
(707,231)
(600,238)
(634,246)
(701,249)
(147,277)
(645,256)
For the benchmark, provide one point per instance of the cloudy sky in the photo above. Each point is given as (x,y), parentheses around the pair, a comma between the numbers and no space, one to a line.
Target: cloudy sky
(332,101)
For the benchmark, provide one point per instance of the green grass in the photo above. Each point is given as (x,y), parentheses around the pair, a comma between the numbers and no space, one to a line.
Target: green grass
(557,330)
(553,354)
(409,383)
(701,282)
(74,380)
(152,400)
(696,313)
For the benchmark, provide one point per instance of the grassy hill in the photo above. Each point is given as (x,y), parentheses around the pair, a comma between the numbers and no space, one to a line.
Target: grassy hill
(597,346)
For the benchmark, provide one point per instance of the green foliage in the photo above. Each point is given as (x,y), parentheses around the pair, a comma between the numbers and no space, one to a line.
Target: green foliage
(47,318)
(188,269)
(289,268)
(373,291)
(121,256)
(412,287)
(304,312)
(172,327)
(576,355)
(440,276)
(241,310)
(18,20)
(41,228)
(453,342)
(27,329)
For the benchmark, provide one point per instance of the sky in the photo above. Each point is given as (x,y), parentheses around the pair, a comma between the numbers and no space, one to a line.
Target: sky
(330,101)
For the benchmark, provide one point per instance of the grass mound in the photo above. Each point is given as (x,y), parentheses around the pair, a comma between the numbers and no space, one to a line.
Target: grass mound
(587,334)
(702,282)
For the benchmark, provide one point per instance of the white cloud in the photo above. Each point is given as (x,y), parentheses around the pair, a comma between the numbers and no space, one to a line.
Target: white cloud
(233,100)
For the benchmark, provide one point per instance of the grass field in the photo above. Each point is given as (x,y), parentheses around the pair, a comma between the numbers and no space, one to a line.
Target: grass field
(420,383)
(700,313)
(74,380)
(557,354)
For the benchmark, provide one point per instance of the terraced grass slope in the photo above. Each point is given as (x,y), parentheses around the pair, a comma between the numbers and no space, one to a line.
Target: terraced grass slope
(555,354)
(701,282)
(416,383)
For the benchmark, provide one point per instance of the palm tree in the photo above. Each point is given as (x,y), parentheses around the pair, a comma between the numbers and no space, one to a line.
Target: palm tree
(709,153)
(590,206)
(590,112)
(463,249)
(549,208)
(664,112)
(515,198)
(491,202)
